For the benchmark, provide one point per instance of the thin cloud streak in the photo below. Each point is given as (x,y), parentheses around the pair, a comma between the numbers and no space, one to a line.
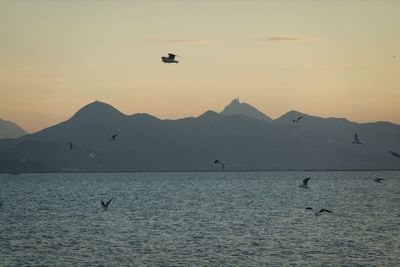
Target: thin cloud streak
(182,41)
(290,38)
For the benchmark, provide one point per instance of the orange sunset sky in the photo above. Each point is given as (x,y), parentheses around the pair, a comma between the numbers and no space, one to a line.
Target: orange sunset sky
(327,58)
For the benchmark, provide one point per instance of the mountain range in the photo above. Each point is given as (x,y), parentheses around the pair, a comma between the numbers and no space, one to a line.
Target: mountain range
(241,136)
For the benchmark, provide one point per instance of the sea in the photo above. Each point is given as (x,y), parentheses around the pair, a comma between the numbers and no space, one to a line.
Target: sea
(200,219)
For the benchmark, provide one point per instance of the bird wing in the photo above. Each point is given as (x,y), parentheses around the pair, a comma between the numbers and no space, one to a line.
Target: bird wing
(108,202)
(299,118)
(324,210)
(216,161)
(172,56)
(394,153)
(223,166)
(92,155)
(305,181)
(102,203)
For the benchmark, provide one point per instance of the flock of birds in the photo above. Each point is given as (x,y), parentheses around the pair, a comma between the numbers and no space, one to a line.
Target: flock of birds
(316,213)
(305,185)
(71,146)
(321,211)
(306,180)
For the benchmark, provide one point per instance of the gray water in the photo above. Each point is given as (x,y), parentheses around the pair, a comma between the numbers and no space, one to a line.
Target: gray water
(200,219)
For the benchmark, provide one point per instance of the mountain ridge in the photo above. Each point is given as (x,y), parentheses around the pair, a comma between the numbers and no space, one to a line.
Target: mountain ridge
(146,143)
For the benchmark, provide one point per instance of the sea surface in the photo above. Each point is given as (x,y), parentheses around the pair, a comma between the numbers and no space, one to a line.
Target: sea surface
(200,219)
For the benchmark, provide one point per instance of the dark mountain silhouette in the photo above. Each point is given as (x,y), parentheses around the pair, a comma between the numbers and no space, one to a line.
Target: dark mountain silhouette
(9,129)
(237,108)
(146,143)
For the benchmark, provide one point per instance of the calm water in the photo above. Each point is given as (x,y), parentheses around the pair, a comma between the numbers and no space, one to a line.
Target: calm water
(200,219)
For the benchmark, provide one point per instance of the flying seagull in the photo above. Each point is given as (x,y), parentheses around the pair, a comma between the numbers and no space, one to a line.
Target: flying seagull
(298,119)
(113,137)
(170,58)
(379,180)
(394,154)
(105,205)
(93,156)
(319,213)
(71,145)
(356,140)
(305,183)
(219,162)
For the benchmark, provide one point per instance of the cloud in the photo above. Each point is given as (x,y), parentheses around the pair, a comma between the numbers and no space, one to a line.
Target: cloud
(289,38)
(182,41)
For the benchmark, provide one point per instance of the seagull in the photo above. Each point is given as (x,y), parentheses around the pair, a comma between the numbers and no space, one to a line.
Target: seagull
(92,155)
(394,153)
(356,140)
(220,162)
(319,213)
(170,58)
(305,183)
(71,145)
(105,205)
(113,137)
(379,180)
(298,119)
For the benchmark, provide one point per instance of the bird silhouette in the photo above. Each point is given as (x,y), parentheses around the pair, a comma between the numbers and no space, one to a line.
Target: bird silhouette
(305,183)
(356,140)
(93,156)
(113,137)
(394,154)
(220,162)
(70,145)
(170,58)
(105,205)
(298,119)
(319,213)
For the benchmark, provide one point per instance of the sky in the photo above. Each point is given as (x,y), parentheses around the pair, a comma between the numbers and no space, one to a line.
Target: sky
(327,58)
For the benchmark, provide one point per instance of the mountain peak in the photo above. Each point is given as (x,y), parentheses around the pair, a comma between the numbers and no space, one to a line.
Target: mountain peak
(98,108)
(236,108)
(290,116)
(208,114)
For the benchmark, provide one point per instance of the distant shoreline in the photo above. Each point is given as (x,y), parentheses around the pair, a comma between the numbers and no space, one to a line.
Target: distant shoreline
(212,171)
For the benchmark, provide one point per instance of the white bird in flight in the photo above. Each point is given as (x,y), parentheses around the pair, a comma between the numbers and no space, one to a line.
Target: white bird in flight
(93,156)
